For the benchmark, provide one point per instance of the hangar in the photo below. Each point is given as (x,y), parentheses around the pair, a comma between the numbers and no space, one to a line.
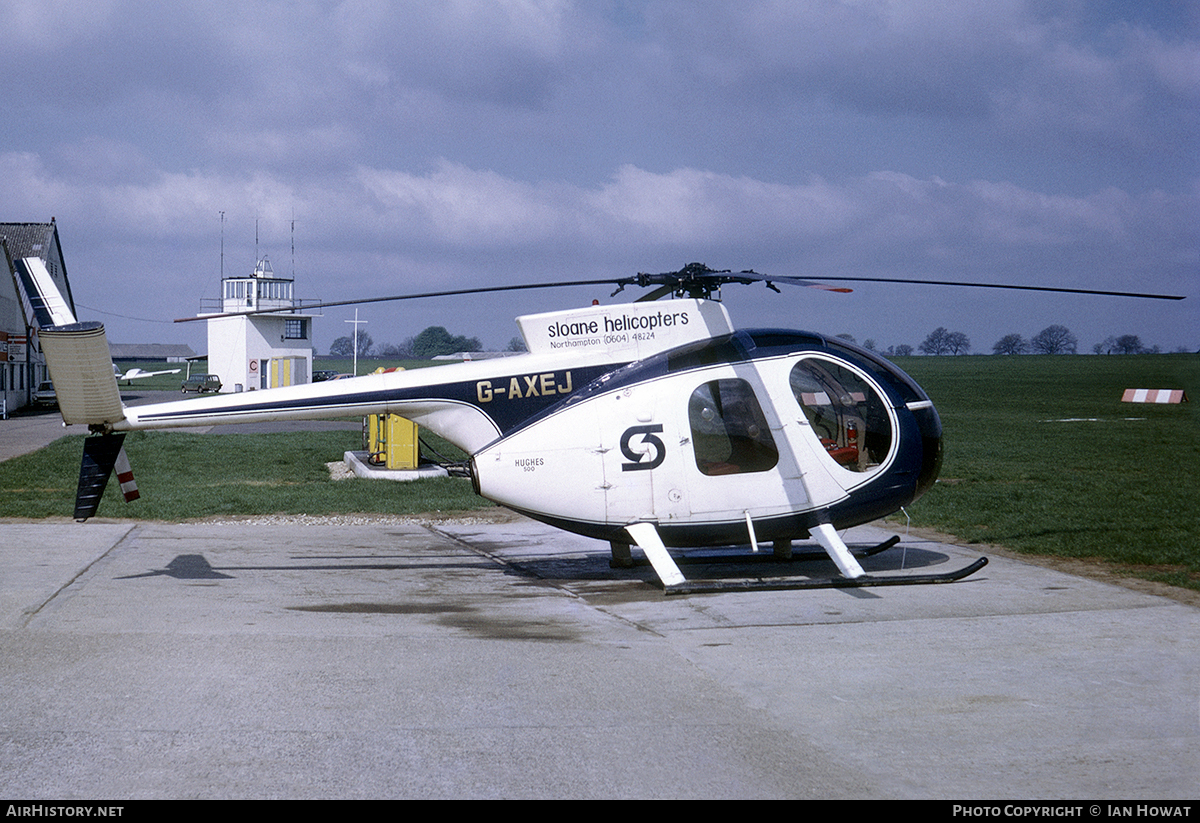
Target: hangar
(22,365)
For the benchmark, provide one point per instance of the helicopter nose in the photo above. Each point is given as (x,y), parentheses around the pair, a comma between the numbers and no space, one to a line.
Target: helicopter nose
(930,426)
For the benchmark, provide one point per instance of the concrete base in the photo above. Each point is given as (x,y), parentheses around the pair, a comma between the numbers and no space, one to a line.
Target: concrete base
(357,461)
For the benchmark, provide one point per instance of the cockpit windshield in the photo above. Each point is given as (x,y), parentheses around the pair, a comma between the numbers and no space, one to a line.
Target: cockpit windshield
(845,411)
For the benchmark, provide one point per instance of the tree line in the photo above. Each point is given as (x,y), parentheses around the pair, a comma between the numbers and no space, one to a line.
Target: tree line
(1058,339)
(434,341)
(1054,339)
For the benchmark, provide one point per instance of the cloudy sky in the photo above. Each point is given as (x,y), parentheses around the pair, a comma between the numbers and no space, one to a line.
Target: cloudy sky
(444,145)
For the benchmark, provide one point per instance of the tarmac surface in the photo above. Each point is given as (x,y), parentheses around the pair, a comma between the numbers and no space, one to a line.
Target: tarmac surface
(500,658)
(479,660)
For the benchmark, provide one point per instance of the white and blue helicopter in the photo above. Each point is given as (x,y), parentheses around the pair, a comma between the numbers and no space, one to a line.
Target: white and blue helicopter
(654,424)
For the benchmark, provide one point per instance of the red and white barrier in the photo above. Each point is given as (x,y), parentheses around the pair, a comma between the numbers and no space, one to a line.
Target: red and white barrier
(1154,396)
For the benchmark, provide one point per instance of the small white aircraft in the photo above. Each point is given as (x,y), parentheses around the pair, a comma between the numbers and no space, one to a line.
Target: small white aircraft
(655,424)
(137,374)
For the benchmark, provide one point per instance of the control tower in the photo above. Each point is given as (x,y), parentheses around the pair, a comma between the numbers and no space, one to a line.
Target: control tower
(258,351)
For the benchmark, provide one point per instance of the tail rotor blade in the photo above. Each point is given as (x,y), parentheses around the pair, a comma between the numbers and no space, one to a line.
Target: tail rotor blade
(100,455)
(125,477)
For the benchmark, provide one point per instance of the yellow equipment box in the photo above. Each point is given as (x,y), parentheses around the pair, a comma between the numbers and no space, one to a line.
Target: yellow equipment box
(392,440)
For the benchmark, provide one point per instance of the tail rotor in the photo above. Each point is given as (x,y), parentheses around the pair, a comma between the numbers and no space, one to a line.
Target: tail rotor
(102,454)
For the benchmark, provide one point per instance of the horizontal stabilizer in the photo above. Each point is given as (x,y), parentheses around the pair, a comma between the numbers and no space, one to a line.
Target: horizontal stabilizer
(81,368)
(100,454)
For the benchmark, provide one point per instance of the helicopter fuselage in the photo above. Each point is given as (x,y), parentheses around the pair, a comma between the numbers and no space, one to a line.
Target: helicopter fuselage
(753,434)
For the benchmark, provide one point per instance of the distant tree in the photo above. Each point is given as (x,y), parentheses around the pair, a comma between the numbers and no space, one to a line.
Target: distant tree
(396,350)
(941,341)
(849,337)
(436,341)
(342,347)
(935,343)
(869,344)
(1010,344)
(433,342)
(365,344)
(1054,340)
(517,344)
(903,350)
(1128,344)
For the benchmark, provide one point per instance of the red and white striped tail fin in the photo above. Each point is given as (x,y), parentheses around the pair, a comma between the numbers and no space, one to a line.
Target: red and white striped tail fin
(125,477)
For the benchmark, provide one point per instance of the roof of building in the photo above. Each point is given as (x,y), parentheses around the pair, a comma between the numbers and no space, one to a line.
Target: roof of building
(150,351)
(28,239)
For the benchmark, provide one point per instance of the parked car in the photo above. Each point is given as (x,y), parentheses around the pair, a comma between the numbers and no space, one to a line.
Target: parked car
(201,383)
(45,395)
(323,375)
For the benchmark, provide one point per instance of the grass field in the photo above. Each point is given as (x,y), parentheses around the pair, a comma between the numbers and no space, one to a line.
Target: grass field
(184,476)
(1041,457)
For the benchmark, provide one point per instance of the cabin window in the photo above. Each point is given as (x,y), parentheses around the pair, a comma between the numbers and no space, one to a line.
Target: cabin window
(730,434)
(846,413)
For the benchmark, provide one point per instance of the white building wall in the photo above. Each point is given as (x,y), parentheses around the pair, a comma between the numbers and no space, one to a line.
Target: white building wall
(227,351)
(241,351)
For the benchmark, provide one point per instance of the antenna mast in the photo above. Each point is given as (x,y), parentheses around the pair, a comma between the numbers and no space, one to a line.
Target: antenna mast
(222,246)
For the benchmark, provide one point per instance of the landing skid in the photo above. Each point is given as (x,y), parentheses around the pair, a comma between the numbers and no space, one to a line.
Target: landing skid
(787,584)
(853,577)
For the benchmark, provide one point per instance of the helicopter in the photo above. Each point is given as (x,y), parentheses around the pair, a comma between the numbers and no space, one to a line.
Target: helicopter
(654,423)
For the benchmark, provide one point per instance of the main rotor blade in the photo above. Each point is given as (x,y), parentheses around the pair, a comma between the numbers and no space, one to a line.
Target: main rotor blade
(697,273)
(359,302)
(990,286)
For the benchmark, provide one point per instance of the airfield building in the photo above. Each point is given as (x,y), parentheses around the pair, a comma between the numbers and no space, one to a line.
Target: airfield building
(22,366)
(259,351)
